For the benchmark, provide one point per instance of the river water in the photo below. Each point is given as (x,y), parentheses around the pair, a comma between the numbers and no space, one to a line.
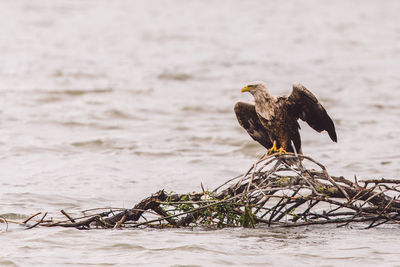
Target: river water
(105,102)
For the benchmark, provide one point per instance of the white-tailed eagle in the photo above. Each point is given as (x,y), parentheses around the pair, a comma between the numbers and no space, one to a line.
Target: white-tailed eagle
(272,121)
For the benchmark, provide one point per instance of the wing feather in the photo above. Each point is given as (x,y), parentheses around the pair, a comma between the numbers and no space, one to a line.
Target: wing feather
(248,119)
(305,105)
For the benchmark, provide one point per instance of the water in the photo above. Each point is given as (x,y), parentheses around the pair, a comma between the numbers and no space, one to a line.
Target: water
(103,103)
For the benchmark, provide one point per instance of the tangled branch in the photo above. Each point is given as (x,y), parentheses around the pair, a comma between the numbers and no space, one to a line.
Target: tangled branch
(278,190)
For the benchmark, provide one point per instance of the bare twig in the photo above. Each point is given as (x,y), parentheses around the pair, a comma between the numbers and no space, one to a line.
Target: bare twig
(36,224)
(32,216)
(66,215)
(4,220)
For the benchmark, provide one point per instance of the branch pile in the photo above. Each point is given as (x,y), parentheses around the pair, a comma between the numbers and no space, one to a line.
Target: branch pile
(278,190)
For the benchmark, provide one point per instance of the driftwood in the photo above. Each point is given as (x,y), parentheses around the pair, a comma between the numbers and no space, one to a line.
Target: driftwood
(278,190)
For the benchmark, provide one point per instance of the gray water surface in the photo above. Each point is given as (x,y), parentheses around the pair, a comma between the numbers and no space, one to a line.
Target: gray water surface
(105,102)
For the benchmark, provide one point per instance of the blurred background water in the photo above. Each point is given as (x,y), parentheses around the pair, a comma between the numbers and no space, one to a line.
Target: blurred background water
(104,102)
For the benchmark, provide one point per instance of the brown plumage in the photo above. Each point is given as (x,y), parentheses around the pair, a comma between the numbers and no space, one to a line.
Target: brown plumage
(274,119)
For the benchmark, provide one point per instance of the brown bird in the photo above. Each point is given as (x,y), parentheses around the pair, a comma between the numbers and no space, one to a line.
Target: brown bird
(272,121)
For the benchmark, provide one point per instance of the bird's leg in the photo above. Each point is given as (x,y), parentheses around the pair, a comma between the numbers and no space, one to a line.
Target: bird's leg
(273,149)
(281,150)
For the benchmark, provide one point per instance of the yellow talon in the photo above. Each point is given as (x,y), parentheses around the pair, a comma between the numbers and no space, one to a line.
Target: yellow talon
(281,150)
(274,149)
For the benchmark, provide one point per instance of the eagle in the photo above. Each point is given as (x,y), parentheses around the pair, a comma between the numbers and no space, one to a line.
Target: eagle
(272,121)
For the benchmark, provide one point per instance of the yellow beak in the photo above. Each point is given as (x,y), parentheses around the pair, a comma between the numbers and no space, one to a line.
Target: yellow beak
(245,89)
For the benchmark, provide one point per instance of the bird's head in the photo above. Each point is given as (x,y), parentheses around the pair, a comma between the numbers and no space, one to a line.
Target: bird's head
(255,88)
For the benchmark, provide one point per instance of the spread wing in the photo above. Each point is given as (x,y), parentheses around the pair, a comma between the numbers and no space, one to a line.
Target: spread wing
(304,105)
(248,119)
